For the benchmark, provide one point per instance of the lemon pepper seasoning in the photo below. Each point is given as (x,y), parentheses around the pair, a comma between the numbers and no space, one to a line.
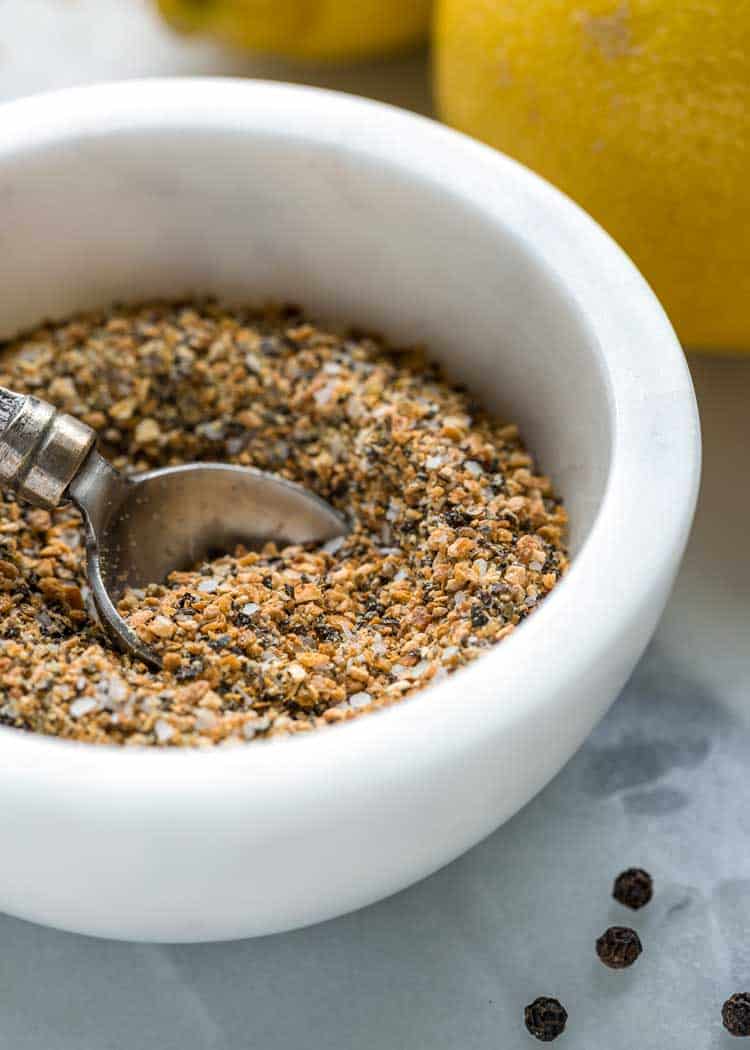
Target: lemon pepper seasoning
(456,537)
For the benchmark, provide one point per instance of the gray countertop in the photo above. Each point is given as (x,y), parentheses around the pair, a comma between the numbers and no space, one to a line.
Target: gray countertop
(450,963)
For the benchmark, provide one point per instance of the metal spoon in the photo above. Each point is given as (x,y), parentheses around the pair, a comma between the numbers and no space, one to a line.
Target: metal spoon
(141,528)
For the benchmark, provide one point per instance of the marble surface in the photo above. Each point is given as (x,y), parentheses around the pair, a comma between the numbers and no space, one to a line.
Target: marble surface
(450,962)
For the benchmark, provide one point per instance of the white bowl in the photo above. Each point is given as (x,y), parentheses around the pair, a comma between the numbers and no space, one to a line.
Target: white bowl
(367,214)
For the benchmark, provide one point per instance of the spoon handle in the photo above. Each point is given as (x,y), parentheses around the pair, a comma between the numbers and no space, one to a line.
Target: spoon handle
(9,405)
(41,449)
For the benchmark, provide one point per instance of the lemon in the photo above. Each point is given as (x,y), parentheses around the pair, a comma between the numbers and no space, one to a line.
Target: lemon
(640,110)
(307,29)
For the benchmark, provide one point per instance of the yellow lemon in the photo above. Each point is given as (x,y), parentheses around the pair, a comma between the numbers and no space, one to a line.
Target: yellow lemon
(640,110)
(308,29)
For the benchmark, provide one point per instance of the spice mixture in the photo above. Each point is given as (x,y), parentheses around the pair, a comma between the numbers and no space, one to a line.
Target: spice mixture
(455,536)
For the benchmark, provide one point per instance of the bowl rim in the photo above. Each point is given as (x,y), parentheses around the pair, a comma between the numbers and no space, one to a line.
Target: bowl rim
(653,417)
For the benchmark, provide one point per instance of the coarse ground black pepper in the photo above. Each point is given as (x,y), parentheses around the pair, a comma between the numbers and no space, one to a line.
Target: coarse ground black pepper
(545,1018)
(456,538)
(634,888)
(619,947)
(735,1014)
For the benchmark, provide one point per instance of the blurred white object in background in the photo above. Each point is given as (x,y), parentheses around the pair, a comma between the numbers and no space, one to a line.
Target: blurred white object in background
(46,44)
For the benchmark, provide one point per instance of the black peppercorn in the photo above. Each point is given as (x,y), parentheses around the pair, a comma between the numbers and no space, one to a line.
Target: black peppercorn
(634,888)
(619,947)
(545,1018)
(735,1014)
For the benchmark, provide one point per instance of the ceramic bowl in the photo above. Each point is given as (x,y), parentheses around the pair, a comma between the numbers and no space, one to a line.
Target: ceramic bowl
(370,215)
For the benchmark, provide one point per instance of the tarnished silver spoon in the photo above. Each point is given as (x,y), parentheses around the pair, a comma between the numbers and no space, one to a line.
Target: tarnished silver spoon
(141,528)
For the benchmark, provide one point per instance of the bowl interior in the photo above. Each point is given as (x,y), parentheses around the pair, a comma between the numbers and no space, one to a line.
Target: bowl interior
(137,213)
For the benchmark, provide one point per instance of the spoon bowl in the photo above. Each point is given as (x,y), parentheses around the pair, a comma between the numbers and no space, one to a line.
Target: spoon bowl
(139,529)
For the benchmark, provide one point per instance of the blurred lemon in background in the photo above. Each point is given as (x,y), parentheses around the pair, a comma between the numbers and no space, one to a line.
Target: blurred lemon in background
(309,29)
(640,110)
